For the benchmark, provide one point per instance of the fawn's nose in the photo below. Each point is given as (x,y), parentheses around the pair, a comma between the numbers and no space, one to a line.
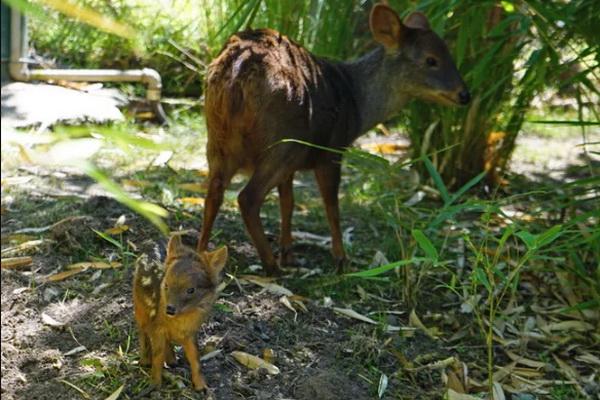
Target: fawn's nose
(170,309)
(464,97)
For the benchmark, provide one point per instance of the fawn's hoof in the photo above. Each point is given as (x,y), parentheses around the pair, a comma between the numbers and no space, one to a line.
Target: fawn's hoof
(200,384)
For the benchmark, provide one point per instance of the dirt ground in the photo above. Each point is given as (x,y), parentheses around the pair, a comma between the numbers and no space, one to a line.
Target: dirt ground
(75,337)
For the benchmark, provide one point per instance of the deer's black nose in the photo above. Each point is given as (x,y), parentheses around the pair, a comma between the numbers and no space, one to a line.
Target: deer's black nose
(464,97)
(170,309)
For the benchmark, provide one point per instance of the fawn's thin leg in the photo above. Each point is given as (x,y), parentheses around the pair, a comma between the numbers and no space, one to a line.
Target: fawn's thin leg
(286,207)
(190,348)
(170,355)
(328,179)
(266,176)
(217,182)
(145,349)
(158,344)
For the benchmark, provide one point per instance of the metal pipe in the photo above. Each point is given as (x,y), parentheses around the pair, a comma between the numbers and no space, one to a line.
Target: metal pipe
(19,71)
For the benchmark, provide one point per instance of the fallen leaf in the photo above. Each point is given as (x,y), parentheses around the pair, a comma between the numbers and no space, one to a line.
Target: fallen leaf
(572,325)
(498,392)
(48,320)
(193,187)
(64,275)
(76,350)
(136,183)
(16,262)
(524,361)
(348,312)
(16,238)
(162,158)
(268,355)
(383,384)
(454,382)
(567,370)
(414,320)
(196,201)
(117,230)
(286,302)
(94,265)
(452,395)
(116,393)
(253,362)
(20,290)
(266,284)
(210,355)
(31,244)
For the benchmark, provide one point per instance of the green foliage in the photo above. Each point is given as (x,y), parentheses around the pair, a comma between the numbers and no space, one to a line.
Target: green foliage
(507,54)
(560,236)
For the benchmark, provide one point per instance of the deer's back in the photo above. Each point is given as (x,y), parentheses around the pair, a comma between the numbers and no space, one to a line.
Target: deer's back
(263,87)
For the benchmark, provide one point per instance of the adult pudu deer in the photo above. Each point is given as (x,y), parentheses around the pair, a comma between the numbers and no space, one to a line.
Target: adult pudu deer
(263,88)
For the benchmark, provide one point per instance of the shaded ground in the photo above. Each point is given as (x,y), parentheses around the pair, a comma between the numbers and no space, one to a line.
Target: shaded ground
(89,347)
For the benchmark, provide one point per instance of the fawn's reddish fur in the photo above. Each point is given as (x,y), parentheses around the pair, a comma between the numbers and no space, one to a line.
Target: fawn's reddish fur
(263,88)
(172,301)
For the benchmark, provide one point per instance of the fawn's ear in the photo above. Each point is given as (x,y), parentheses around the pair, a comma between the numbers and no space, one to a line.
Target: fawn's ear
(386,26)
(175,246)
(215,261)
(417,20)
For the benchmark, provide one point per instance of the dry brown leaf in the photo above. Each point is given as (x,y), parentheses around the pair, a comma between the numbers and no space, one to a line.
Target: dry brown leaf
(498,392)
(16,238)
(528,372)
(268,285)
(94,265)
(253,362)
(452,395)
(136,183)
(348,312)
(454,382)
(31,244)
(64,274)
(503,372)
(286,302)
(193,187)
(195,201)
(525,361)
(117,230)
(414,321)
(588,359)
(567,370)
(48,320)
(268,355)
(572,325)
(16,262)
(115,395)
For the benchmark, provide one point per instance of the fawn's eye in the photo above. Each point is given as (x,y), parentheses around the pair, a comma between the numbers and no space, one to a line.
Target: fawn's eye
(431,62)
(191,290)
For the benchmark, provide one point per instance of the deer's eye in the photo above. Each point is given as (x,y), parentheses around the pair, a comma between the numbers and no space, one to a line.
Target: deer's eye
(431,62)
(191,290)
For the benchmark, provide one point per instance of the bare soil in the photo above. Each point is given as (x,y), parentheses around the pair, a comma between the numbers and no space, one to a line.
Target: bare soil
(90,349)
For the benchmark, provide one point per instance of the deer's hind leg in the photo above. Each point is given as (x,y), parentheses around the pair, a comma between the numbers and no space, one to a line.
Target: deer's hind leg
(286,206)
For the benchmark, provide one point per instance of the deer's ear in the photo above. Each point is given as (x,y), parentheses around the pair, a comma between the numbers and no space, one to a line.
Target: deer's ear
(175,246)
(386,26)
(215,260)
(417,20)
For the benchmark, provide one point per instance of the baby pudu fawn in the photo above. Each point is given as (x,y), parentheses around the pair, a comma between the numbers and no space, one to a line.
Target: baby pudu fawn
(172,301)
(264,88)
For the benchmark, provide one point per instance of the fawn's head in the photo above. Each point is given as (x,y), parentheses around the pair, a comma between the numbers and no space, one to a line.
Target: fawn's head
(191,278)
(425,68)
